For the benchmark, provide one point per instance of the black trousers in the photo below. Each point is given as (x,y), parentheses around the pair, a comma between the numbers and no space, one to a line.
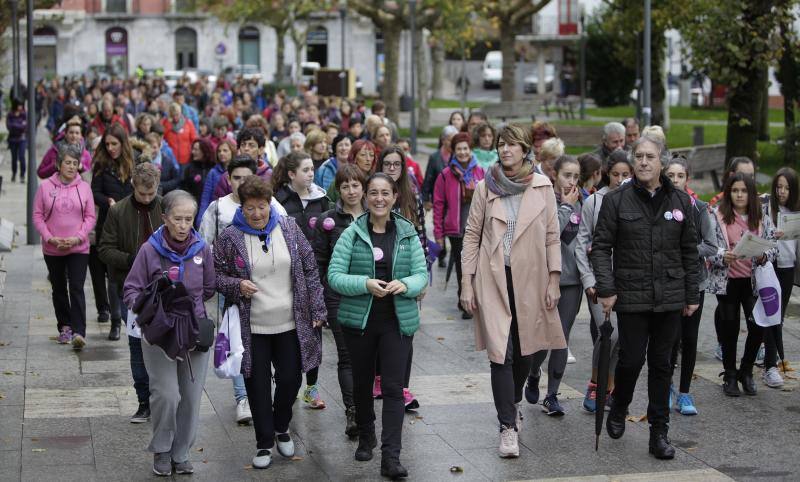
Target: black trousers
(773,336)
(271,416)
(686,344)
(508,378)
(739,293)
(97,269)
(646,335)
(456,244)
(380,336)
(344,366)
(67,275)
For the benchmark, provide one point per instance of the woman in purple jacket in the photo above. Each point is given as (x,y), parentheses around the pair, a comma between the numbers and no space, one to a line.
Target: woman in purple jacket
(17,124)
(176,386)
(266,267)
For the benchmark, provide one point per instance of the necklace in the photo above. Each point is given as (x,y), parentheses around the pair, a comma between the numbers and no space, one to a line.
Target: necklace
(254,262)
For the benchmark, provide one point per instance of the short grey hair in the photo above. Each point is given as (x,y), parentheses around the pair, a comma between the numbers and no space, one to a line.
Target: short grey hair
(74,151)
(173,198)
(613,128)
(652,139)
(297,136)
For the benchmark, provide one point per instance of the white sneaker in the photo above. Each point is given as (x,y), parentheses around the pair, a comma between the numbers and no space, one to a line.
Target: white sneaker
(262,459)
(243,414)
(570,356)
(285,444)
(509,442)
(772,378)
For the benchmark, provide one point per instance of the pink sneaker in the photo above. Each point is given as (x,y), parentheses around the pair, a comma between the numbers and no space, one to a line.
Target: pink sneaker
(376,388)
(65,337)
(410,400)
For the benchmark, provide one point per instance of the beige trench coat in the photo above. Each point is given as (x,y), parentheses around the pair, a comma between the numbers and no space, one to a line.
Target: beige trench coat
(535,253)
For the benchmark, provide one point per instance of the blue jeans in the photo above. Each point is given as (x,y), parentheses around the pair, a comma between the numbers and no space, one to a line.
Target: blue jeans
(17,149)
(141,381)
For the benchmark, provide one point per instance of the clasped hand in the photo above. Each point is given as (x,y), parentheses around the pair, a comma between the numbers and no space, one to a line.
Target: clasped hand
(382,288)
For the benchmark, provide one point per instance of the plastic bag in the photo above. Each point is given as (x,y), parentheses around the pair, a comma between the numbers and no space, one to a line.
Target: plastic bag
(228,348)
(767,311)
(131,327)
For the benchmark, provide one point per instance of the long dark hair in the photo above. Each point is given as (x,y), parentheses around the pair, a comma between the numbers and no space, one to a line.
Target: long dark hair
(102,158)
(733,164)
(753,203)
(790,175)
(289,162)
(407,198)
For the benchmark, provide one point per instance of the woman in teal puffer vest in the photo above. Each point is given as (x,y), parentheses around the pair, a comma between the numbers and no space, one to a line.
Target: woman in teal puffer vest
(378,267)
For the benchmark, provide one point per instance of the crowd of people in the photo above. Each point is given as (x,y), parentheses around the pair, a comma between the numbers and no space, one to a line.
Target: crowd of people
(298,214)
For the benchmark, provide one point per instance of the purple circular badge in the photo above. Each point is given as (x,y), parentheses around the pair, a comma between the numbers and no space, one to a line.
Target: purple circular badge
(174,273)
(575,218)
(312,223)
(377,253)
(677,215)
(328,224)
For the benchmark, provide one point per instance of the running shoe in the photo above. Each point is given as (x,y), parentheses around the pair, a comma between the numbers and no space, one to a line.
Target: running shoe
(590,399)
(285,444)
(532,388)
(686,404)
(376,388)
(551,407)
(410,400)
(65,337)
(509,442)
(570,356)
(772,378)
(162,464)
(262,459)
(78,342)
(183,468)
(718,352)
(312,398)
(760,356)
(142,414)
(243,414)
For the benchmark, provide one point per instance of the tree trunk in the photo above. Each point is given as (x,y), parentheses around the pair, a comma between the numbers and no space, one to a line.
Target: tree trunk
(391,45)
(507,42)
(437,82)
(280,56)
(422,83)
(744,111)
(763,118)
(657,92)
(298,39)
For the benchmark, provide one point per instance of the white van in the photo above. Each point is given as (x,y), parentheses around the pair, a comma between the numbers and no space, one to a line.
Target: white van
(492,69)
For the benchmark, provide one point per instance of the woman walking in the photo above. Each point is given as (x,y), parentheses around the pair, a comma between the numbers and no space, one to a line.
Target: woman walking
(17,124)
(176,386)
(266,268)
(351,184)
(677,170)
(378,267)
(63,214)
(513,220)
(731,278)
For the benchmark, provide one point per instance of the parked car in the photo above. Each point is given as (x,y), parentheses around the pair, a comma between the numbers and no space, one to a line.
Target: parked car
(530,84)
(245,71)
(492,69)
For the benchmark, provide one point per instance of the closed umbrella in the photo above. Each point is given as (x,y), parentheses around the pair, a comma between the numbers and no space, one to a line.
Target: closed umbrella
(602,376)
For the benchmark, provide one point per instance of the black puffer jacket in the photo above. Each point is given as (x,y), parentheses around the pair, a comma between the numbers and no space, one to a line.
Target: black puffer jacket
(329,227)
(645,249)
(307,216)
(107,184)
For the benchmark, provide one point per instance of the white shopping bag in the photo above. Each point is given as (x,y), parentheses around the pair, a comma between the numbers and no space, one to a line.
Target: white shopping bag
(228,363)
(131,327)
(767,311)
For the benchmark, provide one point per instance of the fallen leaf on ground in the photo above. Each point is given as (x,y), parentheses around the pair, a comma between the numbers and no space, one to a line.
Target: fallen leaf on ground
(200,449)
(38,450)
(456,469)
(5,343)
(450,318)
(34,440)
(205,461)
(1,396)
(469,385)
(8,372)
(439,338)
(296,458)
(418,417)
(248,467)
(636,418)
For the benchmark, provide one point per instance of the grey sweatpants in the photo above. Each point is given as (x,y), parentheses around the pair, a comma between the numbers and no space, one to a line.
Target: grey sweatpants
(598,318)
(174,400)
(568,307)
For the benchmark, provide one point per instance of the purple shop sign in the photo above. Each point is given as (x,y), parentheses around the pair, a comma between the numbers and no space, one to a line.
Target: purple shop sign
(116,41)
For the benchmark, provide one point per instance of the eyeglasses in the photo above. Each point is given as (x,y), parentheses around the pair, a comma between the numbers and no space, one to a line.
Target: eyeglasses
(392,165)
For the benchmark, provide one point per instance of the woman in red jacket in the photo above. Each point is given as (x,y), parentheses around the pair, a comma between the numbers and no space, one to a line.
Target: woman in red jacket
(179,133)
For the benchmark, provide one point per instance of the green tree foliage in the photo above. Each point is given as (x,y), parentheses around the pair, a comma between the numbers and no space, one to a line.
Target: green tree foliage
(610,80)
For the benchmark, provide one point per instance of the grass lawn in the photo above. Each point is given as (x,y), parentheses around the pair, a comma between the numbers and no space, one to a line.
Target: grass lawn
(683,113)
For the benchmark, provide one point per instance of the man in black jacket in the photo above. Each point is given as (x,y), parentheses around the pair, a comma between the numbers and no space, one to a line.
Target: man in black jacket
(645,260)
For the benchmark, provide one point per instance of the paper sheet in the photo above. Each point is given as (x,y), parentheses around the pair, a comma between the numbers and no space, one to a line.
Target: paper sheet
(789,223)
(751,246)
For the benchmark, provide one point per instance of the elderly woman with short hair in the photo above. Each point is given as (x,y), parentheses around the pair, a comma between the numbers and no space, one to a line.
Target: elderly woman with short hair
(176,386)
(267,268)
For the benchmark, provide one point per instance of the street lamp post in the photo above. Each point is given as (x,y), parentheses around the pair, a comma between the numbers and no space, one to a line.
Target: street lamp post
(412,5)
(583,66)
(33,237)
(647,111)
(15,47)
(343,75)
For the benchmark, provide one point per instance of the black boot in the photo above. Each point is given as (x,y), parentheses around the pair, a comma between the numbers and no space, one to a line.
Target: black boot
(660,446)
(392,468)
(113,333)
(366,442)
(745,377)
(103,316)
(351,429)
(729,385)
(615,424)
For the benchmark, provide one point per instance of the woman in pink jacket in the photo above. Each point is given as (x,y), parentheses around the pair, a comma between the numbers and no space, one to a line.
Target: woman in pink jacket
(63,213)
(452,197)
(73,134)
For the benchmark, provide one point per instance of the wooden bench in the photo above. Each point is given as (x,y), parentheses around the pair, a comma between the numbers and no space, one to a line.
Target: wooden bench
(563,106)
(511,110)
(705,159)
(580,136)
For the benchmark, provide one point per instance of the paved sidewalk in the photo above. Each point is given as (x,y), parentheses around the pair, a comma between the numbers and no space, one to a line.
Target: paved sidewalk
(64,415)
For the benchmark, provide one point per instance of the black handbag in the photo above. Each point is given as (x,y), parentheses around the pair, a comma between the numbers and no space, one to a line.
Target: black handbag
(205,335)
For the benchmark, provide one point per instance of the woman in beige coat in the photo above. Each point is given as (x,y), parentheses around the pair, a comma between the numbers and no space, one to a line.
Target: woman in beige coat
(512,234)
